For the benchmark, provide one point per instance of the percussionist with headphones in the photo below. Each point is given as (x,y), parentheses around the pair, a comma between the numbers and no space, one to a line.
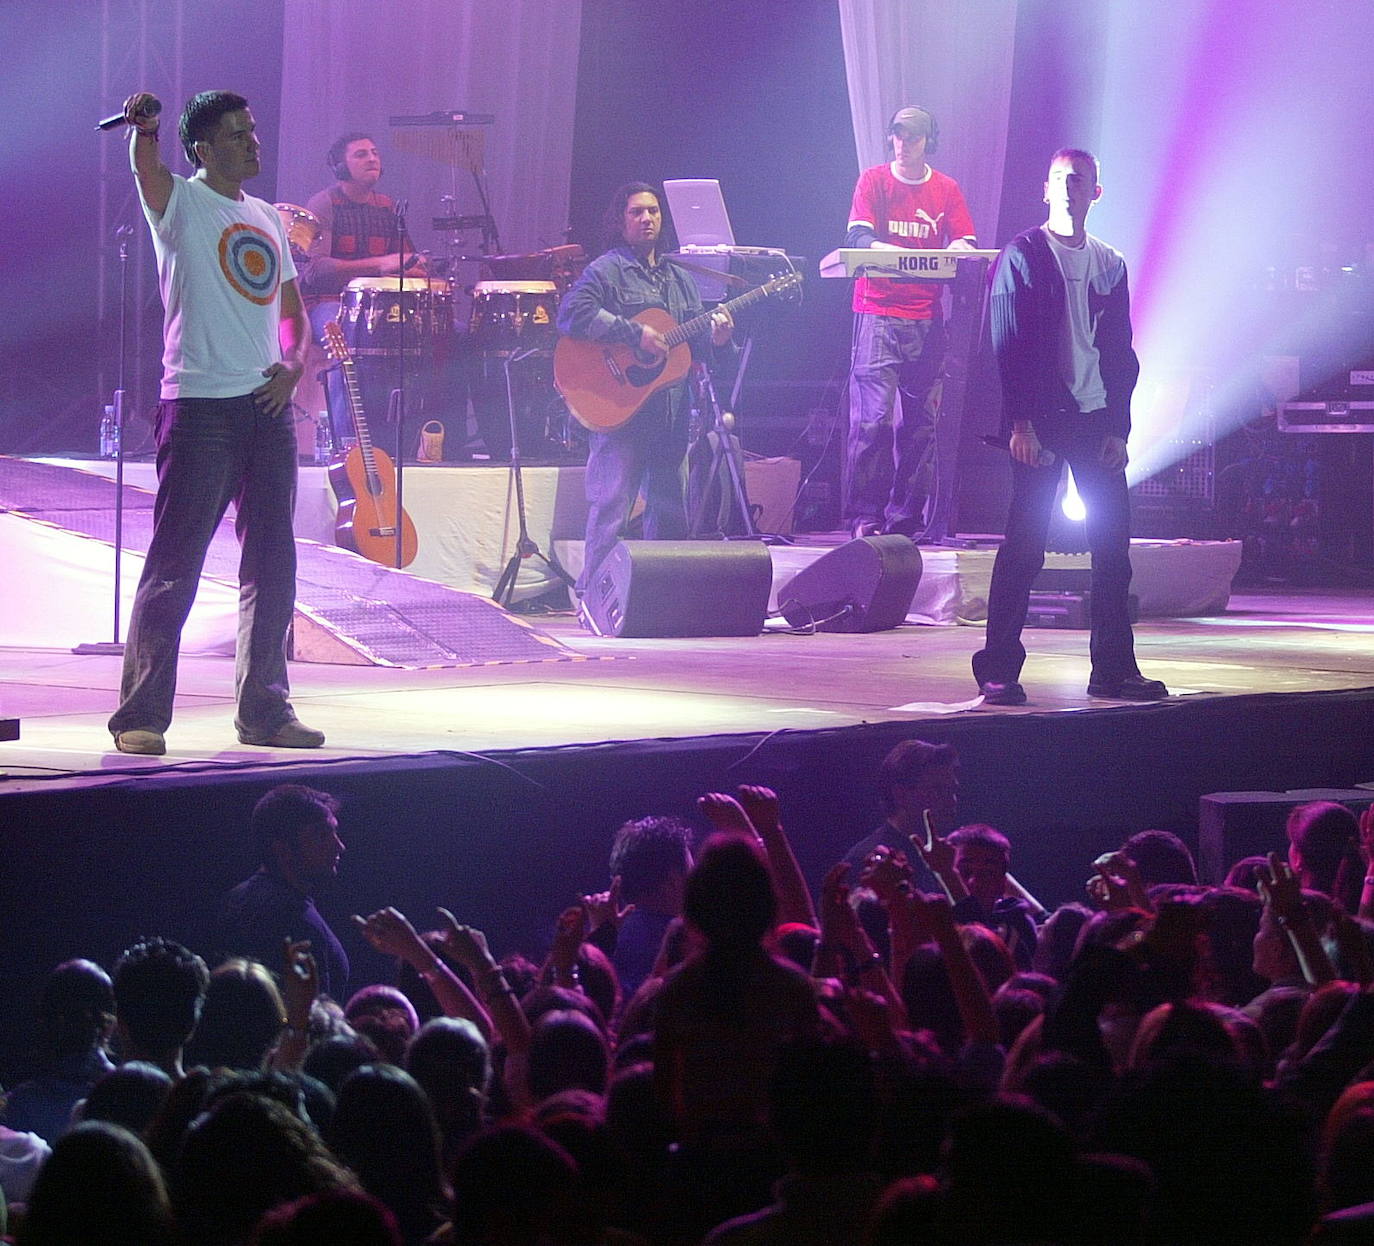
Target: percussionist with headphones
(898,332)
(360,236)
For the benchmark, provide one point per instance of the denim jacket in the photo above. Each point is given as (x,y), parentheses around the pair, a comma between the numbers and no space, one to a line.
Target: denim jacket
(617,286)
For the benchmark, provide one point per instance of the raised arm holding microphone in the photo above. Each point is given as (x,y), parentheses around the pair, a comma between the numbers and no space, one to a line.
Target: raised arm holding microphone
(234,336)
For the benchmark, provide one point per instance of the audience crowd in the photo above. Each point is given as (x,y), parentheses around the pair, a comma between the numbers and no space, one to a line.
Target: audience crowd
(709,1052)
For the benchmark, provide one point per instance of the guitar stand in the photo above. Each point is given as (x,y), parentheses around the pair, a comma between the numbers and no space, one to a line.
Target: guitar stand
(720,436)
(525,545)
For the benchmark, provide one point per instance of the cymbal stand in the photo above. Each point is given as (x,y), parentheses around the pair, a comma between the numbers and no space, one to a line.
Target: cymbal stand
(525,545)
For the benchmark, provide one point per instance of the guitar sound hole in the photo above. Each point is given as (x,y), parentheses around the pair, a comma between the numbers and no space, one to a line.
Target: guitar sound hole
(640,375)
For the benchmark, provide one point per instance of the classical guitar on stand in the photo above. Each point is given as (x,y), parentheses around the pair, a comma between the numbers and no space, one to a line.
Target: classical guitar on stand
(604,384)
(364,480)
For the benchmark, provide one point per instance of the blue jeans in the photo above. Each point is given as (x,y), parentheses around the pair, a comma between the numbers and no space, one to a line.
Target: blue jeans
(649,452)
(1022,554)
(889,465)
(211,451)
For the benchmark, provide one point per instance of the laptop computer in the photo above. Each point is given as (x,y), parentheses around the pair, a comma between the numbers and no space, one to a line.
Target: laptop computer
(698,210)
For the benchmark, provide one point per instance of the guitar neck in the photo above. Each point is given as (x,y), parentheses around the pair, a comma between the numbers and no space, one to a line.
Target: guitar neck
(355,410)
(699,324)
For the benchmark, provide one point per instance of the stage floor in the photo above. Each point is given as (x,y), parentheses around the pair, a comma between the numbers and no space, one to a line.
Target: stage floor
(1289,642)
(494,790)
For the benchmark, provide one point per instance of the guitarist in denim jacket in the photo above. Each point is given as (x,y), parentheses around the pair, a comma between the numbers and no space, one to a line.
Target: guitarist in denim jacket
(648,453)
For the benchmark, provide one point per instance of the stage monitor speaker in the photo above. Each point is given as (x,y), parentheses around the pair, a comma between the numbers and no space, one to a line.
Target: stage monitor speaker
(1232,825)
(681,588)
(864,586)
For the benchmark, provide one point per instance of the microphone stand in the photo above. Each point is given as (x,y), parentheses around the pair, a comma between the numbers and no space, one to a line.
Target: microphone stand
(491,236)
(398,397)
(114,647)
(525,545)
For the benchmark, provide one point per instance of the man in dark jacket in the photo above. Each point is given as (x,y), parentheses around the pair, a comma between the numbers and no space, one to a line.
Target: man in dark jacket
(647,453)
(296,831)
(1061,332)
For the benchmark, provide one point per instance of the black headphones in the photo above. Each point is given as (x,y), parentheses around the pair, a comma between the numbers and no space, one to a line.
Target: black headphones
(932,139)
(334,157)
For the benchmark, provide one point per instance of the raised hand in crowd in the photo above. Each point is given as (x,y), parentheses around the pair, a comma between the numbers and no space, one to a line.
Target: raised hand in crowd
(845,950)
(971,995)
(603,908)
(1281,892)
(887,874)
(569,933)
(938,854)
(1116,884)
(763,809)
(300,984)
(468,947)
(389,931)
(736,815)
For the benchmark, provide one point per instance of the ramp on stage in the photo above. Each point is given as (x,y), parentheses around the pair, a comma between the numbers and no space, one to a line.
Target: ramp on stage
(57,526)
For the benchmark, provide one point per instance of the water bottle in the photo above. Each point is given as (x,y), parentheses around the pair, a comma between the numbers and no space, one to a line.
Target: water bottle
(109,434)
(324,449)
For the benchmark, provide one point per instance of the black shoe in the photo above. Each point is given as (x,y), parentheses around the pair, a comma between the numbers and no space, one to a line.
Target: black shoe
(1132,688)
(997,693)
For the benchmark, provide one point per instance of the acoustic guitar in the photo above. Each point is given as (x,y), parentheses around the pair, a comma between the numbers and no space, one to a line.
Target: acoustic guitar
(364,479)
(604,384)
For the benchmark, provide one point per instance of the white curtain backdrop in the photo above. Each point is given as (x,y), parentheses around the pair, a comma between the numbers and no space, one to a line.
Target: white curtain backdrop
(352,64)
(952,56)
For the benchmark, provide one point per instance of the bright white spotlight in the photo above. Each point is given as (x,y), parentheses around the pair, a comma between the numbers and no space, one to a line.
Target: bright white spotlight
(1072,504)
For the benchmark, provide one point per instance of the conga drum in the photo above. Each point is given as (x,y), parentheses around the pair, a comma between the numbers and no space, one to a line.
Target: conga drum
(508,316)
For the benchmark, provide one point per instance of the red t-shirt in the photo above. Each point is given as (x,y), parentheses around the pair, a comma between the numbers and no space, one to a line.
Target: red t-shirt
(925,216)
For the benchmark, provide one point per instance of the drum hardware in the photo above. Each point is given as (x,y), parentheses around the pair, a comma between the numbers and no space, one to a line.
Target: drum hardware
(456,224)
(453,137)
(445,117)
(302,228)
(561,265)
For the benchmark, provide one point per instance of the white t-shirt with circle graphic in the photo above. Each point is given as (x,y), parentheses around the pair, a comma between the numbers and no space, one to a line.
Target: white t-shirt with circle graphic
(220,266)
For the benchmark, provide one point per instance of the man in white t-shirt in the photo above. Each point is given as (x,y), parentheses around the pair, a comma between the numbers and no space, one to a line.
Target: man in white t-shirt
(1061,332)
(234,337)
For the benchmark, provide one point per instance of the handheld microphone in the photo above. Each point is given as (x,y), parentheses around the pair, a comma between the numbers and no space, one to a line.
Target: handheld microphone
(1047,457)
(149,108)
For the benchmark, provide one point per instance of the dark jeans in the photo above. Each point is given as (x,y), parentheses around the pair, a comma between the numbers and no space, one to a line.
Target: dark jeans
(889,464)
(211,451)
(649,452)
(1022,554)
